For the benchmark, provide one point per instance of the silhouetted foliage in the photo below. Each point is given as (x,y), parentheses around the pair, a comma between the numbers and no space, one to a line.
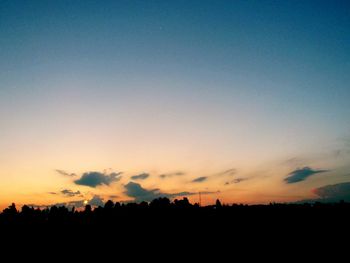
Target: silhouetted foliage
(181,216)
(11,210)
(109,205)
(88,209)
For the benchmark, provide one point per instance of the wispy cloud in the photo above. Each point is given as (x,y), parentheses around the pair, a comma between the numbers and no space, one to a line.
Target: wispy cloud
(238,180)
(94,179)
(142,176)
(228,172)
(301,174)
(168,175)
(67,193)
(200,179)
(70,193)
(225,173)
(64,173)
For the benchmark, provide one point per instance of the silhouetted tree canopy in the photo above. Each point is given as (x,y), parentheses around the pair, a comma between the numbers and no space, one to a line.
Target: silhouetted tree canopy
(180,213)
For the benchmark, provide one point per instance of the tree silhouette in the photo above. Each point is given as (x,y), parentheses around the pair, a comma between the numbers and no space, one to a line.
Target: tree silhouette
(11,210)
(109,205)
(218,204)
(179,214)
(88,209)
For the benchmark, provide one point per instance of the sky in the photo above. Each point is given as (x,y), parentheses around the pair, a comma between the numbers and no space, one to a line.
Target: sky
(245,101)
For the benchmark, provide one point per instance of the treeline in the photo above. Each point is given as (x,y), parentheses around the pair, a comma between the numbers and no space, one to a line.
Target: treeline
(162,211)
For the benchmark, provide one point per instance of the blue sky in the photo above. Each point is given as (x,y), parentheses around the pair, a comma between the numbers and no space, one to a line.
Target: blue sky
(146,86)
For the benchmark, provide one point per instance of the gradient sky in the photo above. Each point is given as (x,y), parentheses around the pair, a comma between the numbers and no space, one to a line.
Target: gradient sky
(246,101)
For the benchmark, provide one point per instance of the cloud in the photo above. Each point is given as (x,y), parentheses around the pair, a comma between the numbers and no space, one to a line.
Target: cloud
(168,175)
(96,201)
(71,204)
(238,180)
(200,179)
(301,174)
(228,172)
(142,176)
(67,192)
(94,179)
(334,192)
(139,194)
(70,193)
(64,173)
(180,194)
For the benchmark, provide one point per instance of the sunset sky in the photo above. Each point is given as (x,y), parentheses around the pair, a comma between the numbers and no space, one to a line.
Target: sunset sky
(245,101)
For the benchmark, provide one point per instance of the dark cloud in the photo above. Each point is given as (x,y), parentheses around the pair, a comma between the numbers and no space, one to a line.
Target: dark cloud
(94,179)
(142,176)
(52,193)
(70,193)
(334,192)
(301,174)
(168,175)
(139,194)
(200,179)
(64,173)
